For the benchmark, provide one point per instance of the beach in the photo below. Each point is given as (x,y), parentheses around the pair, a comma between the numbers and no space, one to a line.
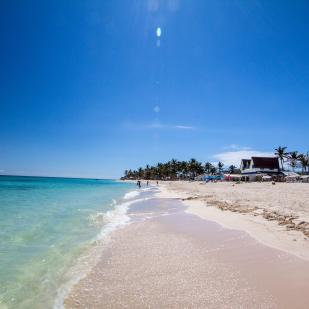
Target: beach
(175,253)
(153,154)
(276,215)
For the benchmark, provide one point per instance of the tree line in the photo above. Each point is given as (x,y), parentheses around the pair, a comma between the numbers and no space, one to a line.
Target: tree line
(175,169)
(293,158)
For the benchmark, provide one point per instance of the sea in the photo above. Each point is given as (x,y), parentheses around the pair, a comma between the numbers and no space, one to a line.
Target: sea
(49,230)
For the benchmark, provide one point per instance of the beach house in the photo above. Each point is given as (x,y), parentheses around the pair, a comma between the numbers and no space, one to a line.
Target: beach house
(257,167)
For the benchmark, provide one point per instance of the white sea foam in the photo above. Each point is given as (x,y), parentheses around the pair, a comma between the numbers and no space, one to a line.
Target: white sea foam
(147,189)
(112,220)
(131,195)
(102,217)
(116,218)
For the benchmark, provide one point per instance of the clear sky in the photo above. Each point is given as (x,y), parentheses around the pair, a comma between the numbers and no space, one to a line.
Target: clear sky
(88,88)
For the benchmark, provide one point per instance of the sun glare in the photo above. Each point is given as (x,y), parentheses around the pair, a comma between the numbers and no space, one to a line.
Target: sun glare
(158,32)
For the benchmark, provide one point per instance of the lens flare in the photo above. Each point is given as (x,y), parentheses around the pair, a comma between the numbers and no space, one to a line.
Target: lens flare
(158,32)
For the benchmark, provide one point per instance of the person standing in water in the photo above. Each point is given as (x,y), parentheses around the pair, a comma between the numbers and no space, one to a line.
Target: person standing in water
(138,183)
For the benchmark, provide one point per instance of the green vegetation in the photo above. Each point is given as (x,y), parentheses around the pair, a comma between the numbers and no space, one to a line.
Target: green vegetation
(281,153)
(293,159)
(187,170)
(175,169)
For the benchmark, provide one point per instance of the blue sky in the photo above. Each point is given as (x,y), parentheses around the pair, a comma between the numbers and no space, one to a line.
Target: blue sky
(88,88)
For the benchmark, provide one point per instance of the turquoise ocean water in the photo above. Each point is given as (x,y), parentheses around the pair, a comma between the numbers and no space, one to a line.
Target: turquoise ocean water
(46,224)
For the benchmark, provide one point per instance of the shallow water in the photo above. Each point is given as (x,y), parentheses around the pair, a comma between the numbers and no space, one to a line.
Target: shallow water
(45,225)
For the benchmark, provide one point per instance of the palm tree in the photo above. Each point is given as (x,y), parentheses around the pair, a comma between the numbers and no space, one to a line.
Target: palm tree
(232,169)
(165,170)
(195,168)
(140,172)
(128,174)
(208,167)
(183,167)
(281,153)
(199,168)
(147,174)
(192,167)
(293,157)
(173,168)
(213,170)
(304,161)
(134,174)
(220,167)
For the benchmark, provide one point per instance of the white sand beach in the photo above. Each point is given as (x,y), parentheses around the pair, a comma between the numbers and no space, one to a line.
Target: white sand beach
(183,254)
(277,215)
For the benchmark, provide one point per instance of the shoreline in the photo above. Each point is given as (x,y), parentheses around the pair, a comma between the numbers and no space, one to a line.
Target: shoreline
(168,257)
(258,222)
(114,219)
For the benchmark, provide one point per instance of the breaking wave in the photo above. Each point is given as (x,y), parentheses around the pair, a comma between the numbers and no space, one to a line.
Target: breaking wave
(110,221)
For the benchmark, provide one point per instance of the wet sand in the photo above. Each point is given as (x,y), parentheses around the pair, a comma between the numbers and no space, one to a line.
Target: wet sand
(168,258)
(276,215)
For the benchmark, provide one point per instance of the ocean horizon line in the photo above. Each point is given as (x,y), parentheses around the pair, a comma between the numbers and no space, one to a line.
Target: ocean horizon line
(65,177)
